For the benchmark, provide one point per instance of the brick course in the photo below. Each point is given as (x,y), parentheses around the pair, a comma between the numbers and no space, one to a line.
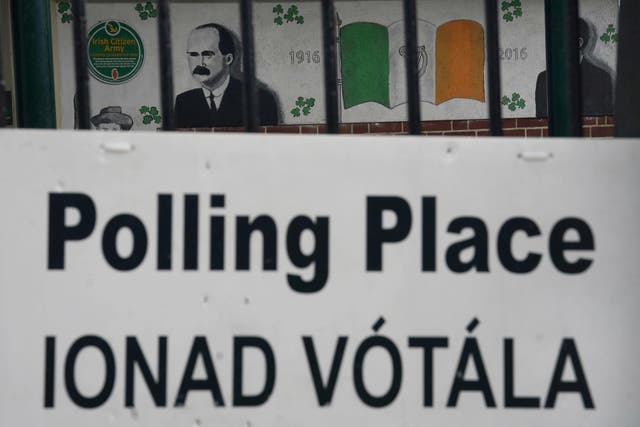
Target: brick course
(593,127)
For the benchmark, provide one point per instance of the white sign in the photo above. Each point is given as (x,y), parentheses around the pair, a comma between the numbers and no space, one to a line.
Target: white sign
(268,280)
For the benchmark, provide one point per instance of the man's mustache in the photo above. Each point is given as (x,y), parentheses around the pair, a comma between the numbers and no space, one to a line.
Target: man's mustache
(204,71)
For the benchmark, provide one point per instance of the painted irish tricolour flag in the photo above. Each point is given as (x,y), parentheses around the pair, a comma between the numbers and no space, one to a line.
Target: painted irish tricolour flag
(450,62)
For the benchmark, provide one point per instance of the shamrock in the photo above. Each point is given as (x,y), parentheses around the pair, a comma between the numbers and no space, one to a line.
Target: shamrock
(299,19)
(278,9)
(306,111)
(147,119)
(614,38)
(144,15)
(158,119)
(508,17)
(66,18)
(144,109)
(153,13)
(505,5)
(63,6)
(300,102)
(611,28)
(605,38)
(295,112)
(293,10)
(149,6)
(516,101)
(311,102)
(288,17)
(518,12)
(153,111)
(516,3)
(278,20)
(139,8)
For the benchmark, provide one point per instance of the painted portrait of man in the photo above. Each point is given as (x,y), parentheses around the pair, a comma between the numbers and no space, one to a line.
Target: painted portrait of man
(211,52)
(596,82)
(112,119)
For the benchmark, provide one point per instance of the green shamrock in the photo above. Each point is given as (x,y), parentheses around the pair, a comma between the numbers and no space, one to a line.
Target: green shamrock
(516,101)
(303,105)
(144,15)
(512,9)
(139,8)
(63,6)
(150,115)
(292,15)
(610,35)
(149,6)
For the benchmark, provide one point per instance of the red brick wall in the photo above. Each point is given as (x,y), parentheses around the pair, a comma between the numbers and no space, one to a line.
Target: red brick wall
(593,127)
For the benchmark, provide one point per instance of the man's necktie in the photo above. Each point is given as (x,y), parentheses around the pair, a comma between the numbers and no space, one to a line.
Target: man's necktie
(213,103)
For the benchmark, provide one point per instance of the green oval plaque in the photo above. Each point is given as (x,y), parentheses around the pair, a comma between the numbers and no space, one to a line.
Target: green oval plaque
(116,52)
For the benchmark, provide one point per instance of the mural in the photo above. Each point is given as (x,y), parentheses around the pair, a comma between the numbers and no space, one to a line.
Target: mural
(289,60)
(596,83)
(219,101)
(450,62)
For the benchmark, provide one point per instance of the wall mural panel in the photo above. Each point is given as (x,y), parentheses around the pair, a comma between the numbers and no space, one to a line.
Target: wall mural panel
(207,54)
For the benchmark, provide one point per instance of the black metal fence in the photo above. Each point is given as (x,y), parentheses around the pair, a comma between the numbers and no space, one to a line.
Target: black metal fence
(561,17)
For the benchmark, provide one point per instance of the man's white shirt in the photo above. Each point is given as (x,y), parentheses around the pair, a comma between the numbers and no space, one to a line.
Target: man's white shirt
(218,92)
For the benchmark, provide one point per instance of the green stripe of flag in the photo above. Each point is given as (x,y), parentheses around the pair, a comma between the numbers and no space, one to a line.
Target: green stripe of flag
(364,56)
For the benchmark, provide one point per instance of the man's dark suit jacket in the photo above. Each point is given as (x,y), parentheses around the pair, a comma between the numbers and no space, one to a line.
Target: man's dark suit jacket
(597,91)
(193,111)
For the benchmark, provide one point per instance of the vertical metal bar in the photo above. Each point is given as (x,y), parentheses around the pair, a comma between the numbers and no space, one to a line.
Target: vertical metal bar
(627,83)
(563,71)
(81,63)
(250,90)
(2,90)
(330,65)
(413,88)
(33,58)
(166,66)
(493,67)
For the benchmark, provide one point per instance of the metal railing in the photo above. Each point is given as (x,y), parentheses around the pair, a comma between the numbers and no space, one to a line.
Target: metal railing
(561,18)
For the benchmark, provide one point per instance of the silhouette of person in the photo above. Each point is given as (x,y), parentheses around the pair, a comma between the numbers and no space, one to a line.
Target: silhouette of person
(596,84)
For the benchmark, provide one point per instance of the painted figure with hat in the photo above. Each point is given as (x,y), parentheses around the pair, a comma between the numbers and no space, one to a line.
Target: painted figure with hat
(112,119)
